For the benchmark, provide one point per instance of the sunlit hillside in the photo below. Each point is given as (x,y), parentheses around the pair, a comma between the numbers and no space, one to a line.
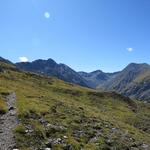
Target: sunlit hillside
(55,114)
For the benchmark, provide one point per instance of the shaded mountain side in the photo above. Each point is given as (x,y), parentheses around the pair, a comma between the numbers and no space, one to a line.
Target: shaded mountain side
(94,78)
(139,88)
(5,60)
(133,81)
(51,68)
(128,75)
(57,115)
(97,78)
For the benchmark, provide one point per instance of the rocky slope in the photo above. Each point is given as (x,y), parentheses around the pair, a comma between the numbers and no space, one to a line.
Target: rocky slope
(97,78)
(51,68)
(5,60)
(133,81)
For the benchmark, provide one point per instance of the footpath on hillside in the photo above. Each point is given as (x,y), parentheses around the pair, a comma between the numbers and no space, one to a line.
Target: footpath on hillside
(8,122)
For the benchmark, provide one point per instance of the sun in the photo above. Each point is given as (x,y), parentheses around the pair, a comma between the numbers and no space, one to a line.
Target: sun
(47,15)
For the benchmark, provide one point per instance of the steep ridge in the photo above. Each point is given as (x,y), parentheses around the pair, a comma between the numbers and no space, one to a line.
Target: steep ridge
(51,68)
(94,78)
(57,115)
(133,81)
(97,78)
(5,60)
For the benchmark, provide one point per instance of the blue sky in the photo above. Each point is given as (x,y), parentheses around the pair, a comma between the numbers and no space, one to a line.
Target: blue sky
(85,34)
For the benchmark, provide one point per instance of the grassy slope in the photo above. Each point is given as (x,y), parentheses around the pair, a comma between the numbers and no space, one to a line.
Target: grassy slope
(81,117)
(3,106)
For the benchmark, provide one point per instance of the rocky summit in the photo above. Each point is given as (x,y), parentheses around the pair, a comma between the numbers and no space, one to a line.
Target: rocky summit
(51,68)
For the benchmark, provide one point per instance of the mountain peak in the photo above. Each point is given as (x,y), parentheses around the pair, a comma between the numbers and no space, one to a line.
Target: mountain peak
(5,60)
(138,65)
(97,72)
(50,68)
(44,61)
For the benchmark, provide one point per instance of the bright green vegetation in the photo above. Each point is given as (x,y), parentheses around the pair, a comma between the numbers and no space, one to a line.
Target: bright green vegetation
(50,109)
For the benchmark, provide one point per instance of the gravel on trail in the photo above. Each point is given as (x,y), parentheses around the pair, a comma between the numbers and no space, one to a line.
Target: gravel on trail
(8,122)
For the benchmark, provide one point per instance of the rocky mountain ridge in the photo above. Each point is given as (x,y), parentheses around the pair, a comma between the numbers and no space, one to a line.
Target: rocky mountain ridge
(133,81)
(51,68)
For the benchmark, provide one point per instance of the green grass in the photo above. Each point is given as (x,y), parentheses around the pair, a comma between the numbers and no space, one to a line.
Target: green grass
(78,113)
(3,106)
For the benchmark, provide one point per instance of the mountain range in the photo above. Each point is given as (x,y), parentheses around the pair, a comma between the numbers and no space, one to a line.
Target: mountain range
(51,68)
(39,112)
(133,81)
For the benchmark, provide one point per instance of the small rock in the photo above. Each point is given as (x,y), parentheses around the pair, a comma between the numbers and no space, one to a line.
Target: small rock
(43,121)
(29,130)
(106,126)
(113,128)
(145,145)
(68,147)
(13,113)
(55,127)
(57,141)
(11,108)
(94,139)
(109,142)
(65,137)
(49,143)
(47,149)
(26,131)
(48,125)
(134,148)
